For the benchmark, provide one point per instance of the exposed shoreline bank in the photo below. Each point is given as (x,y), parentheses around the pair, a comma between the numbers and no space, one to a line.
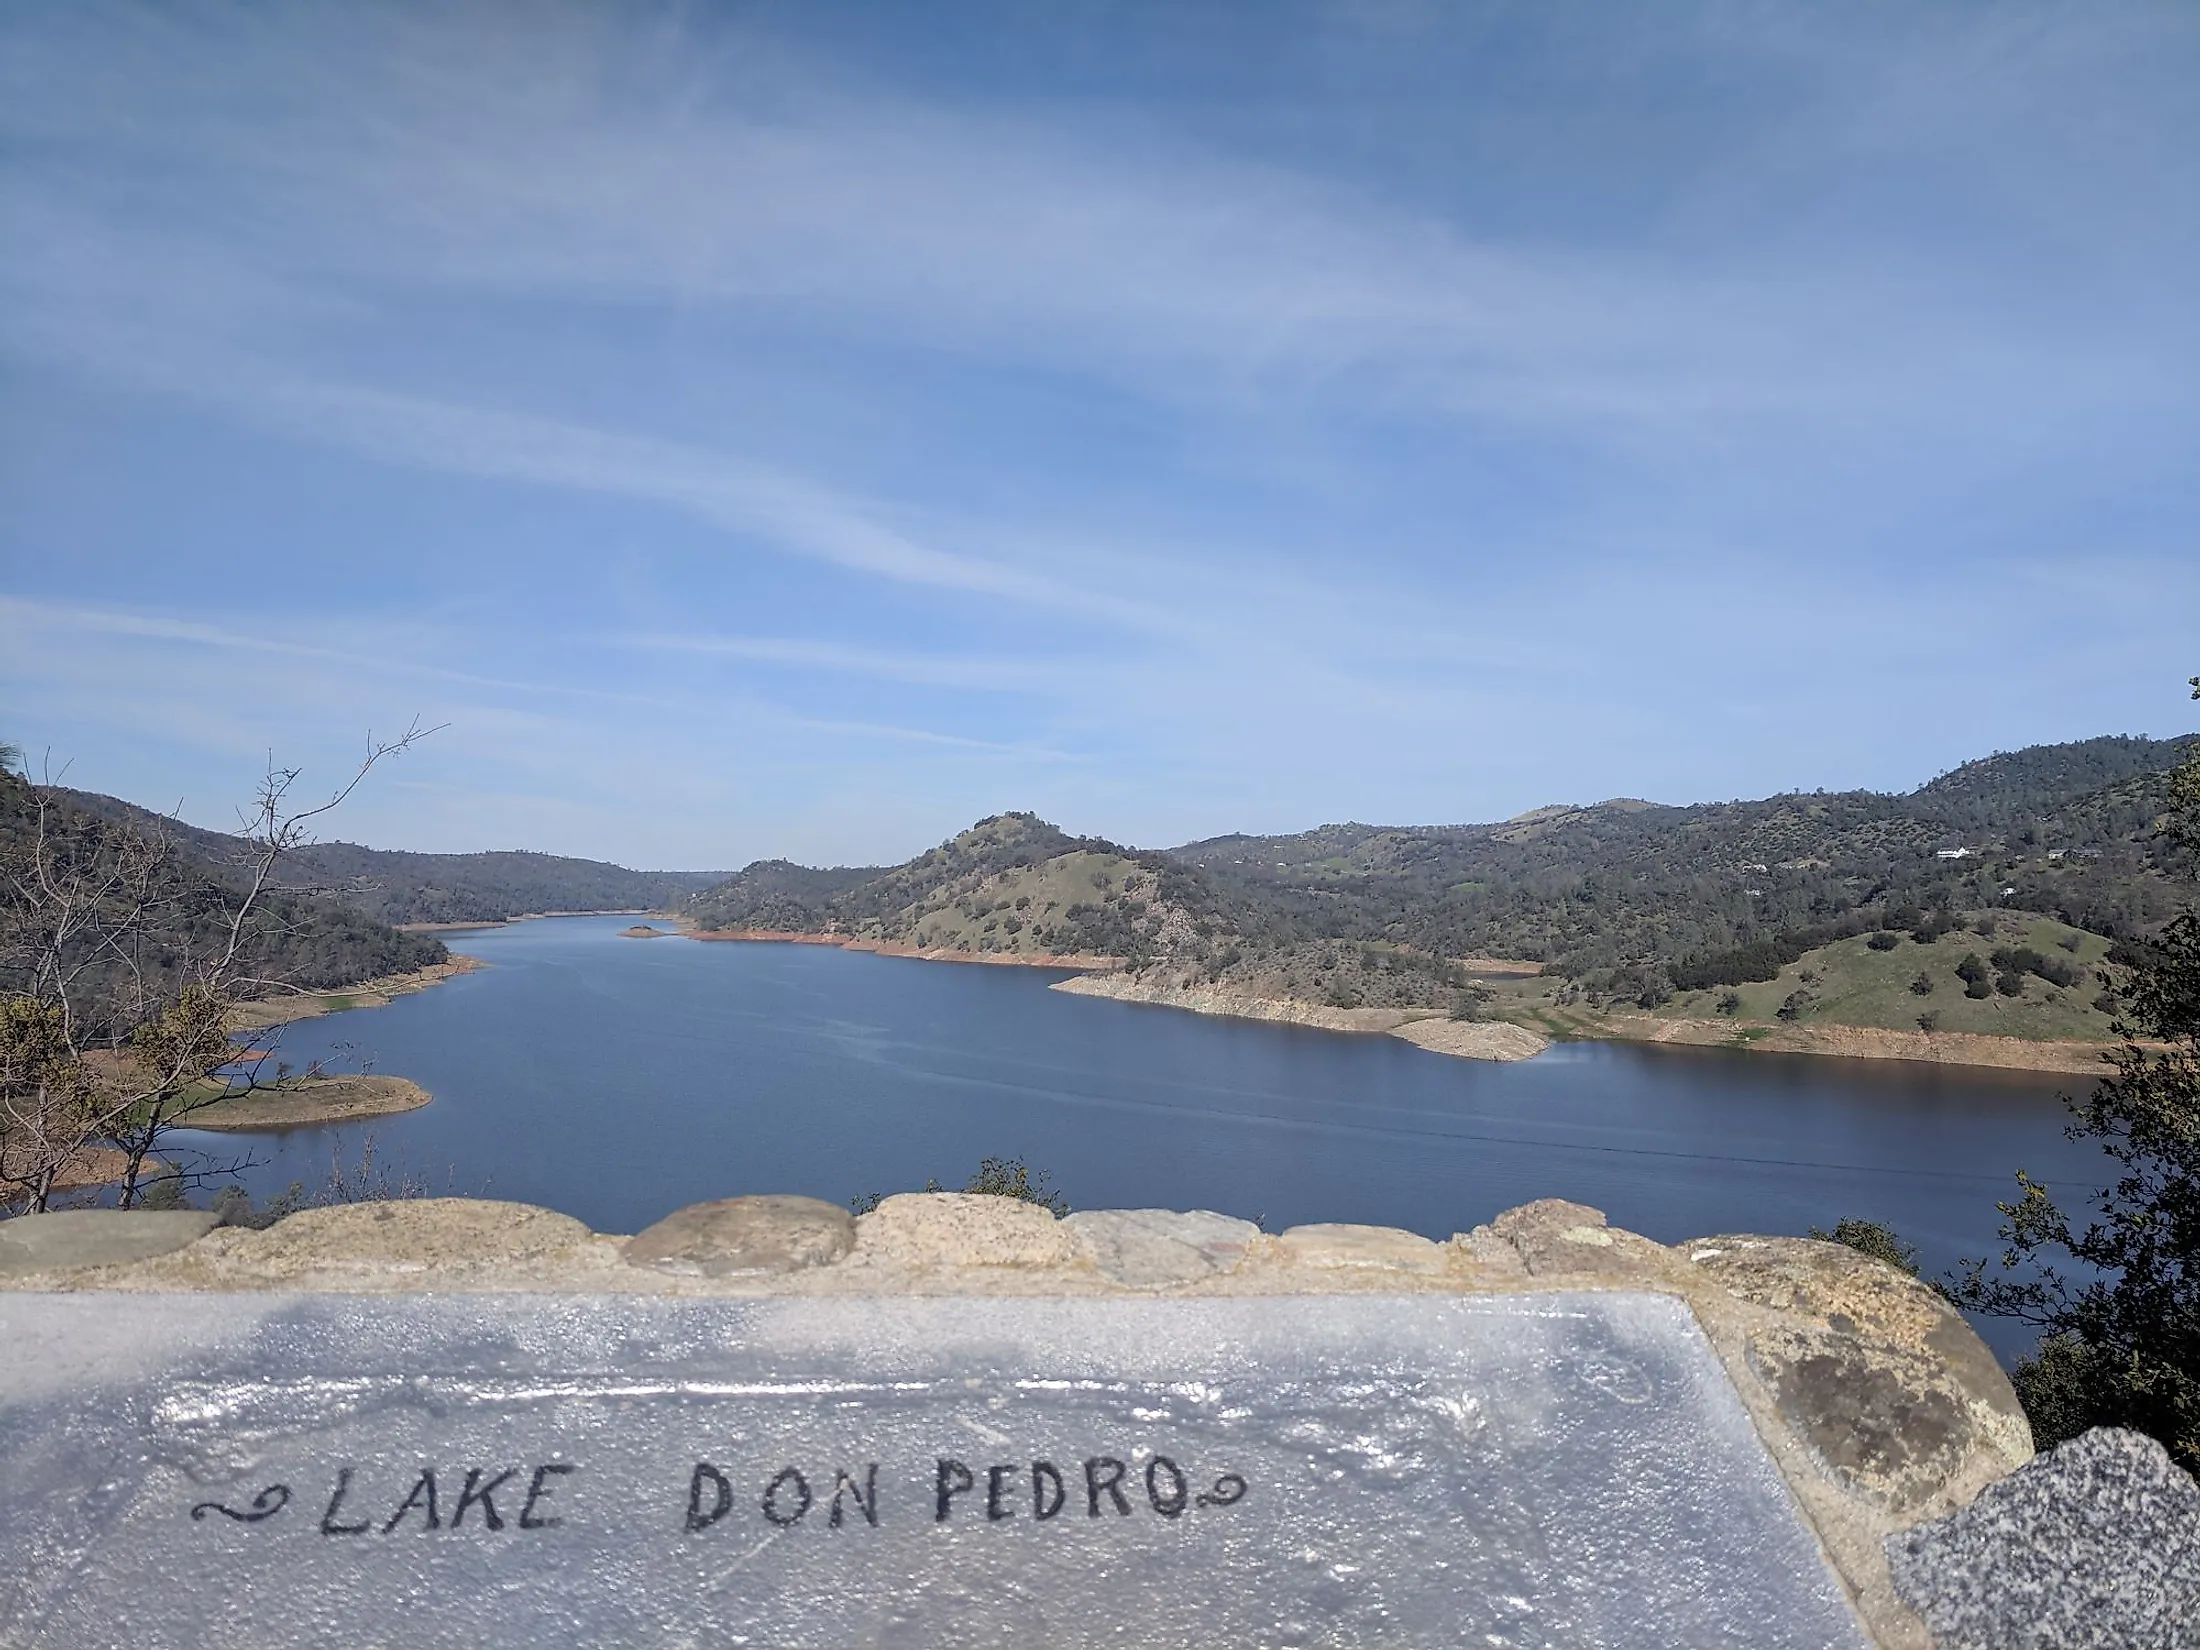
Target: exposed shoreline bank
(1430,1029)
(1947,1048)
(376,993)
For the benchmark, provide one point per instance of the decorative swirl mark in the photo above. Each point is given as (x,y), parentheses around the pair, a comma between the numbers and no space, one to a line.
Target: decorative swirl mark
(266,1504)
(1228,1491)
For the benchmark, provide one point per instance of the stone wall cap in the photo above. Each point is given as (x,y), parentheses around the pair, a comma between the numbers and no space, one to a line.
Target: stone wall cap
(929,1230)
(764,1234)
(1385,1247)
(1157,1248)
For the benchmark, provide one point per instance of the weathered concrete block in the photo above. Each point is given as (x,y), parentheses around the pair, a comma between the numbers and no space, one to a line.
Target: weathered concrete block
(1383,1248)
(745,1234)
(2093,1546)
(930,1230)
(1155,1248)
(71,1239)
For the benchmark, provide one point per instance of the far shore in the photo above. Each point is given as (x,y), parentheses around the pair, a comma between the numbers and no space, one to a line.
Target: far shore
(1949,1048)
(1503,1039)
(478,923)
(1084,962)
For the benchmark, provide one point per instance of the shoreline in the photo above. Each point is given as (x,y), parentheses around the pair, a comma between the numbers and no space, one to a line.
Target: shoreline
(474,924)
(311,1102)
(1978,1050)
(269,1012)
(1426,1028)
(1083,962)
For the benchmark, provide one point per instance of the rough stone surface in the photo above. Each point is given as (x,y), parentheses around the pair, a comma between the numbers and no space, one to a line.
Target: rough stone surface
(932,1230)
(1853,1294)
(424,1236)
(71,1239)
(1886,1423)
(1154,1248)
(745,1234)
(2093,1546)
(1555,1238)
(1379,1247)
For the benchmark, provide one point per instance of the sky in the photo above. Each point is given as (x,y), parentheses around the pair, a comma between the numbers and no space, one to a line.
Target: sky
(801,430)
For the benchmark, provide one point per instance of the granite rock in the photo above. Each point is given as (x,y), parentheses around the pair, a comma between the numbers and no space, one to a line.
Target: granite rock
(1555,1238)
(1383,1248)
(1853,1294)
(735,1235)
(71,1239)
(930,1230)
(1885,1423)
(439,1234)
(2093,1546)
(1157,1248)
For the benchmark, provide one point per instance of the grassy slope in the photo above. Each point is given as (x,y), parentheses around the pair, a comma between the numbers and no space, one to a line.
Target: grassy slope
(981,912)
(1849,984)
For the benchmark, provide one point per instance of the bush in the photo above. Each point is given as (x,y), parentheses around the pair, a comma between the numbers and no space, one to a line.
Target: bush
(1884,941)
(1793,1005)
(1922,986)
(1929,1020)
(2009,984)
(1730,1002)
(1868,1237)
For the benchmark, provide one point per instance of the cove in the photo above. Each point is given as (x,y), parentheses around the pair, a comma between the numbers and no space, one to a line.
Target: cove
(617,1079)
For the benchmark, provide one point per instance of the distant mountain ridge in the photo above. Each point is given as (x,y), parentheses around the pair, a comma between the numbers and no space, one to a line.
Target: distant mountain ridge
(399,887)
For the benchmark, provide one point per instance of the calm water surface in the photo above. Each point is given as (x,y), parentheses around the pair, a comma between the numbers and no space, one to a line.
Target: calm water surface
(617,1079)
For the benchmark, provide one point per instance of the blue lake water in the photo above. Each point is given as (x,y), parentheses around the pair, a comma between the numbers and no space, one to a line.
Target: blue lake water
(617,1079)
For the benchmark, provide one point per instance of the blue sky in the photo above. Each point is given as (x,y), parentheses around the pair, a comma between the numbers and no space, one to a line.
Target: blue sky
(801,430)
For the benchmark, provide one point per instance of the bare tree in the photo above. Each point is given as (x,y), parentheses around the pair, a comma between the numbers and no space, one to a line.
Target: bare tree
(126,968)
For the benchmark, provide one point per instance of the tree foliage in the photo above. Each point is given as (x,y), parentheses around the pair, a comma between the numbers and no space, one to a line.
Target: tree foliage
(2122,1339)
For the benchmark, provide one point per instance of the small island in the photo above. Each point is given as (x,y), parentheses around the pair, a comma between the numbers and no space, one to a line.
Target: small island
(304,1102)
(642,931)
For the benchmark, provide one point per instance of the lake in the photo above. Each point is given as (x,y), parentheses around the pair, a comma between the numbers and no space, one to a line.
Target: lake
(617,1079)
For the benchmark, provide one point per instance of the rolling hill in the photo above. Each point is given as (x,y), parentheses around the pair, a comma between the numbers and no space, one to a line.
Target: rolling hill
(1568,913)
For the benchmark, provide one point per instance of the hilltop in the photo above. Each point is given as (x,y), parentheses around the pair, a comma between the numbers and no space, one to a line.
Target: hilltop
(1748,921)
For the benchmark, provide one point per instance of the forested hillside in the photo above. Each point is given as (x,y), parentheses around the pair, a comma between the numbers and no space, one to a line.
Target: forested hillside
(398,887)
(1010,885)
(1628,900)
(300,939)
(1631,887)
